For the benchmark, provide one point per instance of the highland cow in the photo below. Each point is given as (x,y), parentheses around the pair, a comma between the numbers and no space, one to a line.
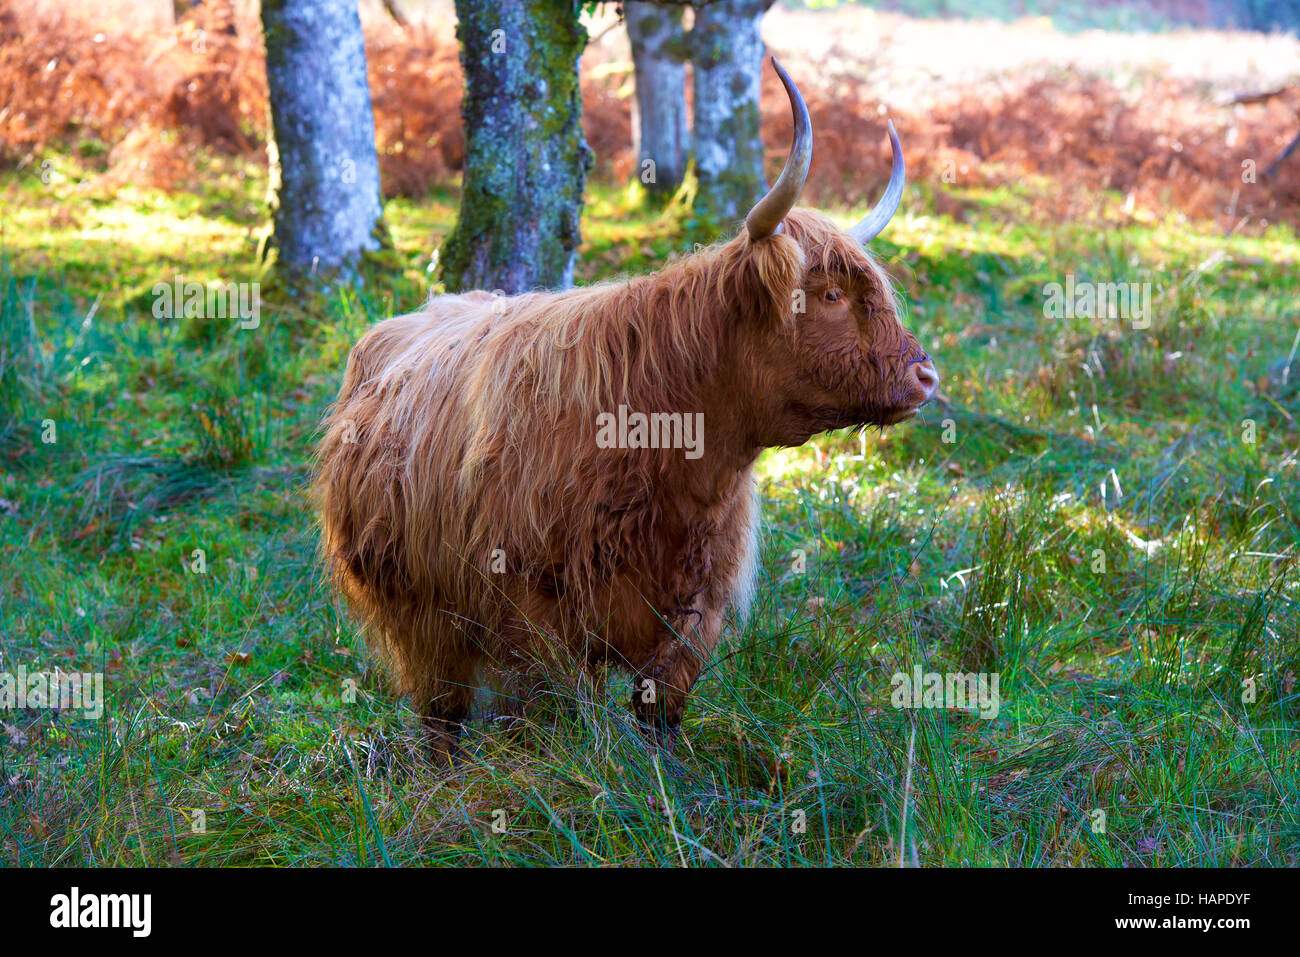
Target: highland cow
(485,532)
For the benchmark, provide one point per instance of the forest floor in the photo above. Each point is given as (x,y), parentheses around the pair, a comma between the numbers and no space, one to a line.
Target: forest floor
(1105,516)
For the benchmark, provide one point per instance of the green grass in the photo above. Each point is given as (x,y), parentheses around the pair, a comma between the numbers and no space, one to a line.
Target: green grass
(972,538)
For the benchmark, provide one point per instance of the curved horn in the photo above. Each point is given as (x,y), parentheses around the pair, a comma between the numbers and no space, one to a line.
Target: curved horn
(765,218)
(879,217)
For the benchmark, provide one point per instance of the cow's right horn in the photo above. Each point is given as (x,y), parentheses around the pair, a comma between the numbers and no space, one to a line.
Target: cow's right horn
(876,220)
(765,218)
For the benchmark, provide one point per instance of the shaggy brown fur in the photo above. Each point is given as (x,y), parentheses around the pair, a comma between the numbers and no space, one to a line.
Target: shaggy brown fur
(470,516)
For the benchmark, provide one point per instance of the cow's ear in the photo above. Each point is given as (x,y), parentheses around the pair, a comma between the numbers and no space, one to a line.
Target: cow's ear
(778,268)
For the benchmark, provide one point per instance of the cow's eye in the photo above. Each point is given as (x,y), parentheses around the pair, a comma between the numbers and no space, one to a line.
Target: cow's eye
(832,295)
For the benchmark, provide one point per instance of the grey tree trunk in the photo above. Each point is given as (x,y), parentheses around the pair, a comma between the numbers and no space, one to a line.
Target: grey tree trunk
(324,169)
(727,55)
(526,160)
(659,134)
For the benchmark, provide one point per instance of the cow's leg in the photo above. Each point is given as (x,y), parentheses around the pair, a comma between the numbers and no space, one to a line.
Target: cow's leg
(661,688)
(549,685)
(519,702)
(443,713)
(532,663)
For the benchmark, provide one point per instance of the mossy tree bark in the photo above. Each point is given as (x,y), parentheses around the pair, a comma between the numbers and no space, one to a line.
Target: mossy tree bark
(324,190)
(659,109)
(526,160)
(727,56)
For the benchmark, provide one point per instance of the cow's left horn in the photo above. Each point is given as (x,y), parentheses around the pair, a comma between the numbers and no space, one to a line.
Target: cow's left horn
(765,218)
(879,217)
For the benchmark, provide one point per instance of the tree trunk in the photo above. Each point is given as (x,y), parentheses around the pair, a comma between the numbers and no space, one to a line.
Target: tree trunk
(659,109)
(324,169)
(727,54)
(526,159)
